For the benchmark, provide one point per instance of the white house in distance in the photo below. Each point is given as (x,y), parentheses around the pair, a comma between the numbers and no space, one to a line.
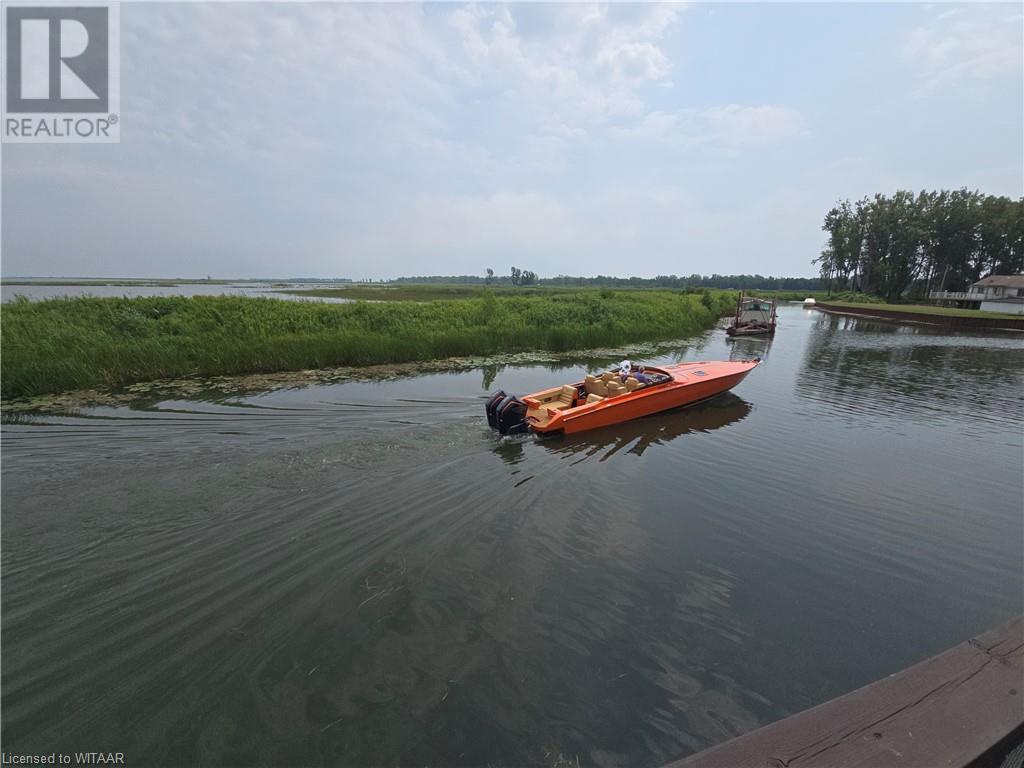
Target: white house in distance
(995,293)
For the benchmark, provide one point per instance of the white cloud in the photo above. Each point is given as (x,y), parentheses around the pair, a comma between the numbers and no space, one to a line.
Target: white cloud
(725,126)
(356,78)
(516,219)
(738,125)
(360,138)
(465,232)
(585,70)
(636,62)
(965,49)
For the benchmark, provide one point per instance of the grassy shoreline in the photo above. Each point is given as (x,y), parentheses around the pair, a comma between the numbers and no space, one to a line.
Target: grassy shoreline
(90,343)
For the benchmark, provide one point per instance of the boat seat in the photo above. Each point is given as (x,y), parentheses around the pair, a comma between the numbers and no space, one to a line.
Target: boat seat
(594,399)
(632,384)
(600,388)
(615,389)
(608,376)
(565,398)
(589,382)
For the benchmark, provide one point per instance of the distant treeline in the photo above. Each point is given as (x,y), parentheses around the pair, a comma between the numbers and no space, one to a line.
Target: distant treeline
(910,244)
(745,282)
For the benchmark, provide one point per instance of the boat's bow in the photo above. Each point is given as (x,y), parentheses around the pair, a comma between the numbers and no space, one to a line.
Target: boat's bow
(684,373)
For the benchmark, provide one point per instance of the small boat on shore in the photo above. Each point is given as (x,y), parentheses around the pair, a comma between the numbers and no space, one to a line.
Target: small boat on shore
(809,303)
(614,396)
(754,317)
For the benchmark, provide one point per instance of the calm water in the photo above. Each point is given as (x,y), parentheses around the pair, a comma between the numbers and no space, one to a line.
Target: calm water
(364,574)
(39,291)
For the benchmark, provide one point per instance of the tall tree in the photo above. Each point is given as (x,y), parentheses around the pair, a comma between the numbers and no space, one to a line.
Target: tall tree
(910,244)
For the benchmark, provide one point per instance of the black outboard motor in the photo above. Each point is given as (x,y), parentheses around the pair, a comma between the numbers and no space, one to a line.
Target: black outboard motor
(506,413)
(522,428)
(512,416)
(492,406)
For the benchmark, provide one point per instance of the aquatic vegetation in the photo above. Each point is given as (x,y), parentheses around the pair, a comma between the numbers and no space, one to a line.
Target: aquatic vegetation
(87,343)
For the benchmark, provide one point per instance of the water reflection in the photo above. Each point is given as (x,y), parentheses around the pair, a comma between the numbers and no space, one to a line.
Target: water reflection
(510,448)
(658,429)
(860,367)
(746,347)
(490,373)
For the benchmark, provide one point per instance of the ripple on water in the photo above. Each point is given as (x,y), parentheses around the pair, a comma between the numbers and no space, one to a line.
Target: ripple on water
(365,574)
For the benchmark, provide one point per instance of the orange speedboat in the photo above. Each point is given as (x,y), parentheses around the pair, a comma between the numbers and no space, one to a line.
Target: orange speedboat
(614,397)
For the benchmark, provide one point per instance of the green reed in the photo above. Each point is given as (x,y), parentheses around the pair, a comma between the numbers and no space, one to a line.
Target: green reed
(87,343)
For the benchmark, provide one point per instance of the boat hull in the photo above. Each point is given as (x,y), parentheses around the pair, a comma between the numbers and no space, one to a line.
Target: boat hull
(759,331)
(691,383)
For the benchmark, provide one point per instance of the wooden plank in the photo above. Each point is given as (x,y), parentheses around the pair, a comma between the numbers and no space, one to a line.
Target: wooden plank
(946,711)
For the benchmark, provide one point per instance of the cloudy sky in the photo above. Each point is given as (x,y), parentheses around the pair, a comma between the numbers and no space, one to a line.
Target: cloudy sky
(378,140)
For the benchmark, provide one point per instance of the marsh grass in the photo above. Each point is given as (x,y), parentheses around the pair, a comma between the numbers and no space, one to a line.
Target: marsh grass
(89,343)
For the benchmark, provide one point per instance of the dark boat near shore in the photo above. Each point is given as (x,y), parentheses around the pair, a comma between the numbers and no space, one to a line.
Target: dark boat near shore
(754,317)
